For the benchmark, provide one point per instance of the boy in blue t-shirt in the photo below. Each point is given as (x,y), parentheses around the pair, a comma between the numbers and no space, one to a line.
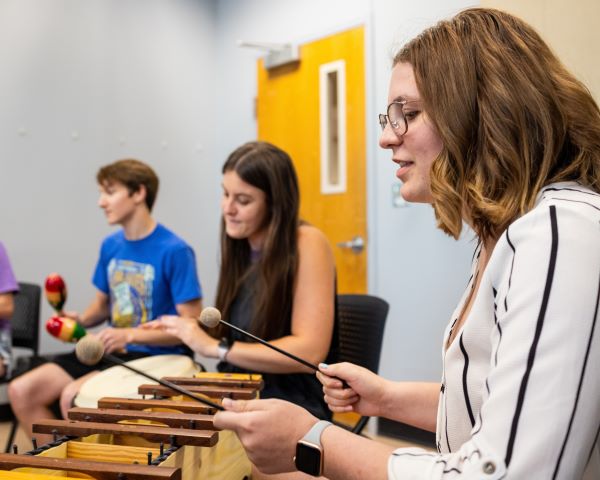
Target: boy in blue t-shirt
(144,271)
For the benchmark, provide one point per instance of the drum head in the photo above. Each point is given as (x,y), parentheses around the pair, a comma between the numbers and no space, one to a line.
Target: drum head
(119,382)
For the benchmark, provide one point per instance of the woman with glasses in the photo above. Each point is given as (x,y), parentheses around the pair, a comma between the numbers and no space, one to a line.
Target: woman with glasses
(277,281)
(487,126)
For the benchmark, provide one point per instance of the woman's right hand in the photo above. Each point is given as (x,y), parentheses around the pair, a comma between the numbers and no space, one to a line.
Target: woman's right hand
(185,329)
(364,394)
(188,331)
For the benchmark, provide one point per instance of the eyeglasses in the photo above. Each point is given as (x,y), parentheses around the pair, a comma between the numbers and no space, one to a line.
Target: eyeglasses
(396,117)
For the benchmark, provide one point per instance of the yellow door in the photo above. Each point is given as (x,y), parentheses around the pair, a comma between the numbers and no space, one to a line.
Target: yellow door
(315,110)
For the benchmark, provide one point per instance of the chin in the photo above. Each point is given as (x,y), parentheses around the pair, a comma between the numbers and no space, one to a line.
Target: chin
(415,196)
(235,235)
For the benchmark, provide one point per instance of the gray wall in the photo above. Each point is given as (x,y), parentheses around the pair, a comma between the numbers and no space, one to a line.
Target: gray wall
(85,83)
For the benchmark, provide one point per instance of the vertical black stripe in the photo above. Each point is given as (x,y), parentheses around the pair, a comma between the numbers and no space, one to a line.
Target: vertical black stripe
(480,422)
(476,255)
(536,338)
(464,380)
(480,417)
(495,292)
(446,422)
(498,345)
(477,250)
(593,445)
(511,270)
(587,354)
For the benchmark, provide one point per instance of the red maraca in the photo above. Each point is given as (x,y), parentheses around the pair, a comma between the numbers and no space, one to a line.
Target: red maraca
(56,291)
(65,329)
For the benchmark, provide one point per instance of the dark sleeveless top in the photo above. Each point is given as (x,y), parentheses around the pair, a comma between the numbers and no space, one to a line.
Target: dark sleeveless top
(300,388)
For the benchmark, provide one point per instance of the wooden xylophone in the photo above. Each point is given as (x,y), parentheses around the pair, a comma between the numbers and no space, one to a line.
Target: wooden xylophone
(166,436)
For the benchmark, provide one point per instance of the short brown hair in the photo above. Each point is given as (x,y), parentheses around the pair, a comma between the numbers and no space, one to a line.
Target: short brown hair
(511,117)
(133,174)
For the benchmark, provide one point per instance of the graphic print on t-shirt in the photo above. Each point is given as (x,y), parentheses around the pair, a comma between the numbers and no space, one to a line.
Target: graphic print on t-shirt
(130,292)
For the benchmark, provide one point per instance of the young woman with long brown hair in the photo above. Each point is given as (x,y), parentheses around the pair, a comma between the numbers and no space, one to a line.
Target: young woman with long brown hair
(276,280)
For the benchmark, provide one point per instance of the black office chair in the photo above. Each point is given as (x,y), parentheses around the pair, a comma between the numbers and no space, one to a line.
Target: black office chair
(25,326)
(360,336)
(26,320)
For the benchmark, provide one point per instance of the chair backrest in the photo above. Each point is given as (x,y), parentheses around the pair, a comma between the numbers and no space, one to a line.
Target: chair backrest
(361,325)
(25,322)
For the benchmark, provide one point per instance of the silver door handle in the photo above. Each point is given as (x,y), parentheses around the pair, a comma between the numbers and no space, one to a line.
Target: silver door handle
(357,244)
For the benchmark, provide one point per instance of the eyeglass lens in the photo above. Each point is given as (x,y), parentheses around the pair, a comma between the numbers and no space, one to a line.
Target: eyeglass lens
(395,115)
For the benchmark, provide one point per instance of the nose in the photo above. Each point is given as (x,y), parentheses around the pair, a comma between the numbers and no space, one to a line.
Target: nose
(227,206)
(101,201)
(389,138)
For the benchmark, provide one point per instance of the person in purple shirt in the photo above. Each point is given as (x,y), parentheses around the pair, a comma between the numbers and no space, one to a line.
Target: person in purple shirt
(8,286)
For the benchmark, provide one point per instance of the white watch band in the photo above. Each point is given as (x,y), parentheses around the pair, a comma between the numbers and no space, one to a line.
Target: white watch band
(222,352)
(314,434)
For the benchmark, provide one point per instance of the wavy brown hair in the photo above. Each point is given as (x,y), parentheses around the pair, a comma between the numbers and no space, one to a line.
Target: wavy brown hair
(511,117)
(270,169)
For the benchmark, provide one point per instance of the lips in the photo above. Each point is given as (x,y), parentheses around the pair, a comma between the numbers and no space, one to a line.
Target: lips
(404,167)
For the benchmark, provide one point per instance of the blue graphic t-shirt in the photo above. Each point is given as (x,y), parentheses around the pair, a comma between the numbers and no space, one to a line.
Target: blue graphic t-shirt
(131,292)
(145,279)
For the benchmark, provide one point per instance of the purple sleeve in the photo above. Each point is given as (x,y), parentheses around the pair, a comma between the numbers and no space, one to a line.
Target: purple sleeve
(8,282)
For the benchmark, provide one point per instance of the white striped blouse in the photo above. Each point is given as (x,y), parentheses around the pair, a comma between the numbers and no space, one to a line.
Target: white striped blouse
(520,395)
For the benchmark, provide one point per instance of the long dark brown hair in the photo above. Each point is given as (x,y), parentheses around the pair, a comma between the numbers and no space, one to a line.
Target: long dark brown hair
(270,169)
(511,117)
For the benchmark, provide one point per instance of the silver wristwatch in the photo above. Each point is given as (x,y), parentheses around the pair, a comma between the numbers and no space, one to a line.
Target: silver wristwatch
(309,452)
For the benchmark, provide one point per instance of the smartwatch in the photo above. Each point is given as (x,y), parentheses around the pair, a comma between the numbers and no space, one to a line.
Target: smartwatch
(309,452)
(223,349)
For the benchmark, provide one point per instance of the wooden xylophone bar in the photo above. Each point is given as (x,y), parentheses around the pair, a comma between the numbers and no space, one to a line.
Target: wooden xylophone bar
(209,390)
(114,415)
(141,404)
(99,470)
(235,387)
(155,434)
(253,383)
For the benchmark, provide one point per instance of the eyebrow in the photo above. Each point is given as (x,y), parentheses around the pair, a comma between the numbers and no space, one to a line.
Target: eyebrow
(401,98)
(239,194)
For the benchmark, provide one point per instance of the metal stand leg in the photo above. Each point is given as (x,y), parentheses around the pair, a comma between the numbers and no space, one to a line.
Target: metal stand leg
(11,435)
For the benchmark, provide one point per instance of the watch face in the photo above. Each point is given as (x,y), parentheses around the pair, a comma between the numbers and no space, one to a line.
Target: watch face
(308,459)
